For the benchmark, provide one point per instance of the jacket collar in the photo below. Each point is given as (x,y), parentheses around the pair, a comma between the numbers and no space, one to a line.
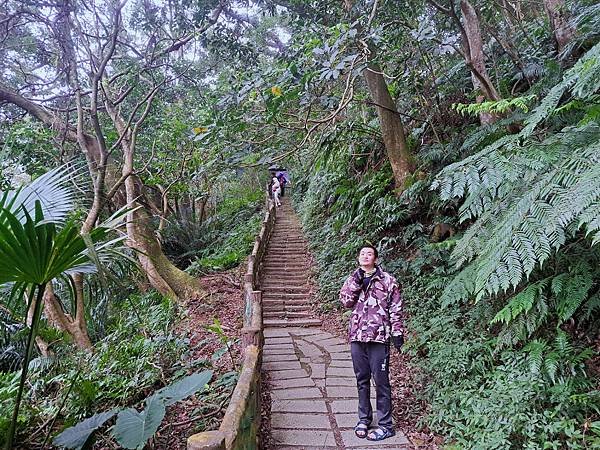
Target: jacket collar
(378,272)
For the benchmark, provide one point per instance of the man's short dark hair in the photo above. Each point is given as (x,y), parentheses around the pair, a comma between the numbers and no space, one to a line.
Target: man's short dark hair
(371,247)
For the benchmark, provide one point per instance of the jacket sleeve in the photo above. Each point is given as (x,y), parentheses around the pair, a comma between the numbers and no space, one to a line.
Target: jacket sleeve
(350,292)
(396,311)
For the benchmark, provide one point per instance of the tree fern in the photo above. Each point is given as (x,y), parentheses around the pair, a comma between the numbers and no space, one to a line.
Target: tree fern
(527,197)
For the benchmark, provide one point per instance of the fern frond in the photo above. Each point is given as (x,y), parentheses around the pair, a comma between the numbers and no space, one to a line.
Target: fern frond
(506,246)
(583,79)
(520,303)
(535,355)
(573,290)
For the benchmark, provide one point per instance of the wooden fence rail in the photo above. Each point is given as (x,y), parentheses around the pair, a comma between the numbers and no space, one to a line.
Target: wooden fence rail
(239,428)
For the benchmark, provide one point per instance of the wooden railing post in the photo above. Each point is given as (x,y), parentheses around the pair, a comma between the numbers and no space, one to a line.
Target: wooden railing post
(252,332)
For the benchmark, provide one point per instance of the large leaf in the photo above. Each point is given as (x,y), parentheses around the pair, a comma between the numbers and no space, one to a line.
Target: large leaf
(53,190)
(133,429)
(185,387)
(77,436)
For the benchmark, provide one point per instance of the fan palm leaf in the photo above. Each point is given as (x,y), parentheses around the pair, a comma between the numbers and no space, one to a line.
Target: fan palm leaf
(38,244)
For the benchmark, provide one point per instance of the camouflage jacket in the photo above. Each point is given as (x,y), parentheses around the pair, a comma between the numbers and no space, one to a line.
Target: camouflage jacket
(376,309)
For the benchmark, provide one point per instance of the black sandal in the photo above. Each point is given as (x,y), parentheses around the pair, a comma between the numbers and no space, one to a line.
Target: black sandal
(360,430)
(379,434)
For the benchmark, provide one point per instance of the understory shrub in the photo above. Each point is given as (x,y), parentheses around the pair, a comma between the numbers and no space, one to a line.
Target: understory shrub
(140,352)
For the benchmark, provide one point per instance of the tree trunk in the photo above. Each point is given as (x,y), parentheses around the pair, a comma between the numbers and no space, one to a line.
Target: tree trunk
(475,59)
(392,129)
(559,22)
(75,326)
(162,274)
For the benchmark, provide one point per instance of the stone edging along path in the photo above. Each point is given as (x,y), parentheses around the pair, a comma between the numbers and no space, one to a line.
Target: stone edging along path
(312,385)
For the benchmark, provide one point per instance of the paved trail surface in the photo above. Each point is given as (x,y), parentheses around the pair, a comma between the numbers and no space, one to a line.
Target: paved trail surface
(314,395)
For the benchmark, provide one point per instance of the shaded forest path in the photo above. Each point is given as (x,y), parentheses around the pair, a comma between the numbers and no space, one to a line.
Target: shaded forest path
(312,384)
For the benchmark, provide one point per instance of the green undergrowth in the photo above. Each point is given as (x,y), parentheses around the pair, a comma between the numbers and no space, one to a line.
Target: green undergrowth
(482,393)
(140,353)
(228,235)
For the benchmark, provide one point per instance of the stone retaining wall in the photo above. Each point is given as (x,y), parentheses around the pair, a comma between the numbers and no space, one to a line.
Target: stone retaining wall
(239,428)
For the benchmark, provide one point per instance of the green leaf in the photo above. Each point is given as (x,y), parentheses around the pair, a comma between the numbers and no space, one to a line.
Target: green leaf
(219,353)
(133,429)
(185,387)
(77,436)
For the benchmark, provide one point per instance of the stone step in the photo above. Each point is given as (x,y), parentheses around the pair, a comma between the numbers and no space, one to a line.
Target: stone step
(284,271)
(292,323)
(285,307)
(284,278)
(282,257)
(286,314)
(286,258)
(287,246)
(286,289)
(274,281)
(301,269)
(268,302)
(285,261)
(283,281)
(279,276)
(283,295)
(284,265)
(287,238)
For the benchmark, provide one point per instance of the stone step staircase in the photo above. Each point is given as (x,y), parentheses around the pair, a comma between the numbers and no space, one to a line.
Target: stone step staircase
(285,271)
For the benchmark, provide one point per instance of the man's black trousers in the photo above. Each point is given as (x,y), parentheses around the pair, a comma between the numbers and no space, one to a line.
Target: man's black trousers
(371,359)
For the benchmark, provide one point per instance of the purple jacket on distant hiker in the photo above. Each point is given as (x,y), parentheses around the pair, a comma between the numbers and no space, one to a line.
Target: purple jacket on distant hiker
(377,310)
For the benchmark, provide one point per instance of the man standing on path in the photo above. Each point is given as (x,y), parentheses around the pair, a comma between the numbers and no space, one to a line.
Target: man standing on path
(376,319)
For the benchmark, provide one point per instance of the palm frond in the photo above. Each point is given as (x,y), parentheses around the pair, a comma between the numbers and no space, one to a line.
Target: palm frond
(52,190)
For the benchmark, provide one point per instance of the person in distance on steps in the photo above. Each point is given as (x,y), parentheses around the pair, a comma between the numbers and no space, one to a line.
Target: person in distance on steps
(276,187)
(374,297)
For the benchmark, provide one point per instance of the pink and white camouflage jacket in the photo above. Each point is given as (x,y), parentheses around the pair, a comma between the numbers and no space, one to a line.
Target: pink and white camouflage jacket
(376,312)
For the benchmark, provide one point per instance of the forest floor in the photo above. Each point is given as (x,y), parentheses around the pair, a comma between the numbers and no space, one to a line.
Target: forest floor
(223,300)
